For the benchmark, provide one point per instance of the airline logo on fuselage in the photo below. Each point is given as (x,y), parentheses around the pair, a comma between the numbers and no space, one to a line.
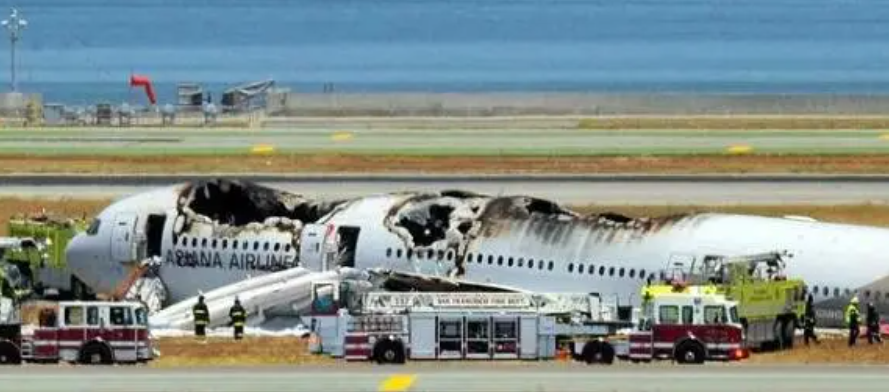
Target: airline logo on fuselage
(238,261)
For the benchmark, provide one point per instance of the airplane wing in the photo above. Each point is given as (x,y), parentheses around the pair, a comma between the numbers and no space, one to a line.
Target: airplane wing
(407,281)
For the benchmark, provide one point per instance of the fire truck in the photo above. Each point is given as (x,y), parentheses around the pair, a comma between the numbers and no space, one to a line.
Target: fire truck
(770,305)
(393,327)
(76,332)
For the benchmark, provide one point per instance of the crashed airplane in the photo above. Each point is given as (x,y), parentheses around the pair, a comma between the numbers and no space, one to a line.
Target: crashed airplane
(207,235)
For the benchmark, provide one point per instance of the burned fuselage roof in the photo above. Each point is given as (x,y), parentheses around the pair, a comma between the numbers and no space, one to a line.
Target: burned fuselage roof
(240,202)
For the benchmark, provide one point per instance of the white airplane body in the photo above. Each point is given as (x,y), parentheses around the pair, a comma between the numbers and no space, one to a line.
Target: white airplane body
(482,242)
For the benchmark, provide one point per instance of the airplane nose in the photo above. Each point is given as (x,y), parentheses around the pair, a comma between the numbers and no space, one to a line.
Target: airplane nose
(84,260)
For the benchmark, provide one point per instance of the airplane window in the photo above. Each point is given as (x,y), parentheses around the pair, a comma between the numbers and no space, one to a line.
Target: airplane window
(521,262)
(431,254)
(398,253)
(632,273)
(449,255)
(388,252)
(194,242)
(611,271)
(409,253)
(602,270)
(499,260)
(255,245)
(642,273)
(580,268)
(836,291)
(277,247)
(204,243)
(94,227)
(287,247)
(826,291)
(530,263)
(265,246)
(591,270)
(246,244)
(479,257)
(235,244)
(183,241)
(490,259)
(224,244)
(867,294)
(540,264)
(509,262)
(213,244)
(551,265)
(570,267)
(621,272)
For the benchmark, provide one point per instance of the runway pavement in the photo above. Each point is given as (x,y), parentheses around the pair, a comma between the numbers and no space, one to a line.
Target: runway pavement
(451,377)
(566,189)
(565,141)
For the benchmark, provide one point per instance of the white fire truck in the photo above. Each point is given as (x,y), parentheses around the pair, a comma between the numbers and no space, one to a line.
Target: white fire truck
(392,327)
(80,332)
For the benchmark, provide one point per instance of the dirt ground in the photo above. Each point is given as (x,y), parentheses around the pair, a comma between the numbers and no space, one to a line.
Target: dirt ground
(340,163)
(867,214)
(831,350)
(225,351)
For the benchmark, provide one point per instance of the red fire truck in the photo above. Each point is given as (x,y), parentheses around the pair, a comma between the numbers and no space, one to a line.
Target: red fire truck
(395,327)
(80,332)
(688,327)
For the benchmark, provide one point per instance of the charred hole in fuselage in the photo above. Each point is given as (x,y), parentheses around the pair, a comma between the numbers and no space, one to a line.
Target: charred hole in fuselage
(238,203)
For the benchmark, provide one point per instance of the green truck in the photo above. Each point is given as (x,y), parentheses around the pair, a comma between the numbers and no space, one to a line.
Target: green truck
(45,271)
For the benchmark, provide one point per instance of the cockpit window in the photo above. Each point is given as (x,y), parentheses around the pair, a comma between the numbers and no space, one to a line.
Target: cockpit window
(94,227)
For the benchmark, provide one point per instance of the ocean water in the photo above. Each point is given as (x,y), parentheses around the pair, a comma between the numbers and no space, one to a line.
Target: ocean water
(84,50)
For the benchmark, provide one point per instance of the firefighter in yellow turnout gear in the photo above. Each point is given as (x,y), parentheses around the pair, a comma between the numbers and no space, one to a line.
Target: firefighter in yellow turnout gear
(238,316)
(853,320)
(201,317)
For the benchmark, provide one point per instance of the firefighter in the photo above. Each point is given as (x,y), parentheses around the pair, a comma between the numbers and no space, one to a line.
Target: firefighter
(809,322)
(201,317)
(873,324)
(238,316)
(852,320)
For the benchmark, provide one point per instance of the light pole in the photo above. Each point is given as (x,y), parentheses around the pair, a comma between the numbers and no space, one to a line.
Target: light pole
(15,24)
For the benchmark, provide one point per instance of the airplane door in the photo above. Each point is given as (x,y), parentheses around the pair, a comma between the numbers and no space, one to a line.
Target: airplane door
(347,241)
(122,249)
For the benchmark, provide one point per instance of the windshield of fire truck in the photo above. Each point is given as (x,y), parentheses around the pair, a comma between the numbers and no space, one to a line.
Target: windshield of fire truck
(733,314)
(141,316)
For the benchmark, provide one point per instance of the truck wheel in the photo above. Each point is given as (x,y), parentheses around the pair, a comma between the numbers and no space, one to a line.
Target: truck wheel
(389,351)
(9,354)
(95,354)
(690,353)
(607,353)
(789,329)
(592,352)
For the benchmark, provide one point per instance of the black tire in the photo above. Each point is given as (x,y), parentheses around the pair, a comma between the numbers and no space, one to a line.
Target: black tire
(789,331)
(690,353)
(389,352)
(9,354)
(607,354)
(592,352)
(95,354)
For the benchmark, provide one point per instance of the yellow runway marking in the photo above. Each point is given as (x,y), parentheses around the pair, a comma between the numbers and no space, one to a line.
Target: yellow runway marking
(262,149)
(739,149)
(341,136)
(397,383)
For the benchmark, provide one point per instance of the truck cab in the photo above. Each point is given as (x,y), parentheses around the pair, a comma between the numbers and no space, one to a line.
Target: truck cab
(688,328)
